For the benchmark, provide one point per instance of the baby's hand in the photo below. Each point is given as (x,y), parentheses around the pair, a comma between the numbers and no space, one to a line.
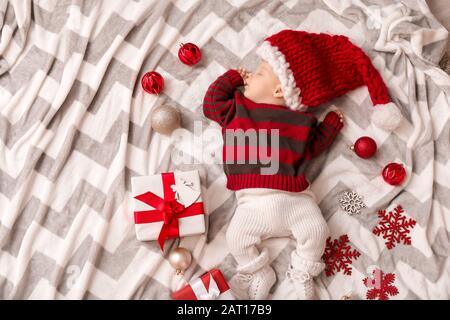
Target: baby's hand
(244,73)
(341,117)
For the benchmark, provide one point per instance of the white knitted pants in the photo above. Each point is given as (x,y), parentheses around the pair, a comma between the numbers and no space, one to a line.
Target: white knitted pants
(263,213)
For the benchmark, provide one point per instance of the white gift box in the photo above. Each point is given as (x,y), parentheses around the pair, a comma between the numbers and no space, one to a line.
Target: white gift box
(183,190)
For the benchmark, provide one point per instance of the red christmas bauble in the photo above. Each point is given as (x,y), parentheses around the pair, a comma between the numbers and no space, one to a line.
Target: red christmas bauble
(394,173)
(365,147)
(189,53)
(152,82)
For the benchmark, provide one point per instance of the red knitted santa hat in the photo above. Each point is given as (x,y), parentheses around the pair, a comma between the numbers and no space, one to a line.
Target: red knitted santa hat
(315,68)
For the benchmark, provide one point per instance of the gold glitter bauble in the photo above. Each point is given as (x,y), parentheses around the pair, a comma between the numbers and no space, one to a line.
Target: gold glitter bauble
(165,119)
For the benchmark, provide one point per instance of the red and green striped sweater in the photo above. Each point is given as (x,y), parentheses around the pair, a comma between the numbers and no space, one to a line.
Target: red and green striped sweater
(274,154)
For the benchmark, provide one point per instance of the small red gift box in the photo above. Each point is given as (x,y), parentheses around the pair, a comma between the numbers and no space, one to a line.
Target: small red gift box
(168,205)
(210,286)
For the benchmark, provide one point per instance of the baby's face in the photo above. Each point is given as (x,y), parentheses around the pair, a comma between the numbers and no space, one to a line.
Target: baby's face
(261,84)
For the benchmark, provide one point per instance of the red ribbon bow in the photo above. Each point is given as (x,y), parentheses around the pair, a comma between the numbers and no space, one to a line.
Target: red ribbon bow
(169,210)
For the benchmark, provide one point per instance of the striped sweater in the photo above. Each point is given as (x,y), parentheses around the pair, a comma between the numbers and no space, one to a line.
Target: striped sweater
(275,153)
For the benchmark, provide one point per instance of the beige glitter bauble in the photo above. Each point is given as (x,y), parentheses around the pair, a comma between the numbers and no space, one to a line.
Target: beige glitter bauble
(165,119)
(180,259)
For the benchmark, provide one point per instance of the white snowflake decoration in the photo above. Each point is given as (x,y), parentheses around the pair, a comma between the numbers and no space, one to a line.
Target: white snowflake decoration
(351,202)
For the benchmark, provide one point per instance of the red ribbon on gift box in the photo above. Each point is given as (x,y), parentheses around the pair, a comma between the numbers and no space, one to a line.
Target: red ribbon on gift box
(168,210)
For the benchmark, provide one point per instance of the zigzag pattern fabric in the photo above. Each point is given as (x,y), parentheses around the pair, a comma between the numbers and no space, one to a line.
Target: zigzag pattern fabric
(75,127)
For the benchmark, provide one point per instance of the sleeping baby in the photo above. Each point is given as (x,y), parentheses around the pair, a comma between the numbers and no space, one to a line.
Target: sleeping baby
(270,136)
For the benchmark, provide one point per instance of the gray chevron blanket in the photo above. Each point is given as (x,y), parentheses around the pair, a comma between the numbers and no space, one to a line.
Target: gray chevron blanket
(75,127)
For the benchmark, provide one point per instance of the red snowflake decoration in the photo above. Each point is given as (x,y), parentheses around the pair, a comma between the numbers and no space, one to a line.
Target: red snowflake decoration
(380,285)
(338,256)
(394,227)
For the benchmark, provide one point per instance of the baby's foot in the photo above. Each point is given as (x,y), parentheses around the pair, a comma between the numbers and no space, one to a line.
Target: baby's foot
(303,283)
(254,286)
